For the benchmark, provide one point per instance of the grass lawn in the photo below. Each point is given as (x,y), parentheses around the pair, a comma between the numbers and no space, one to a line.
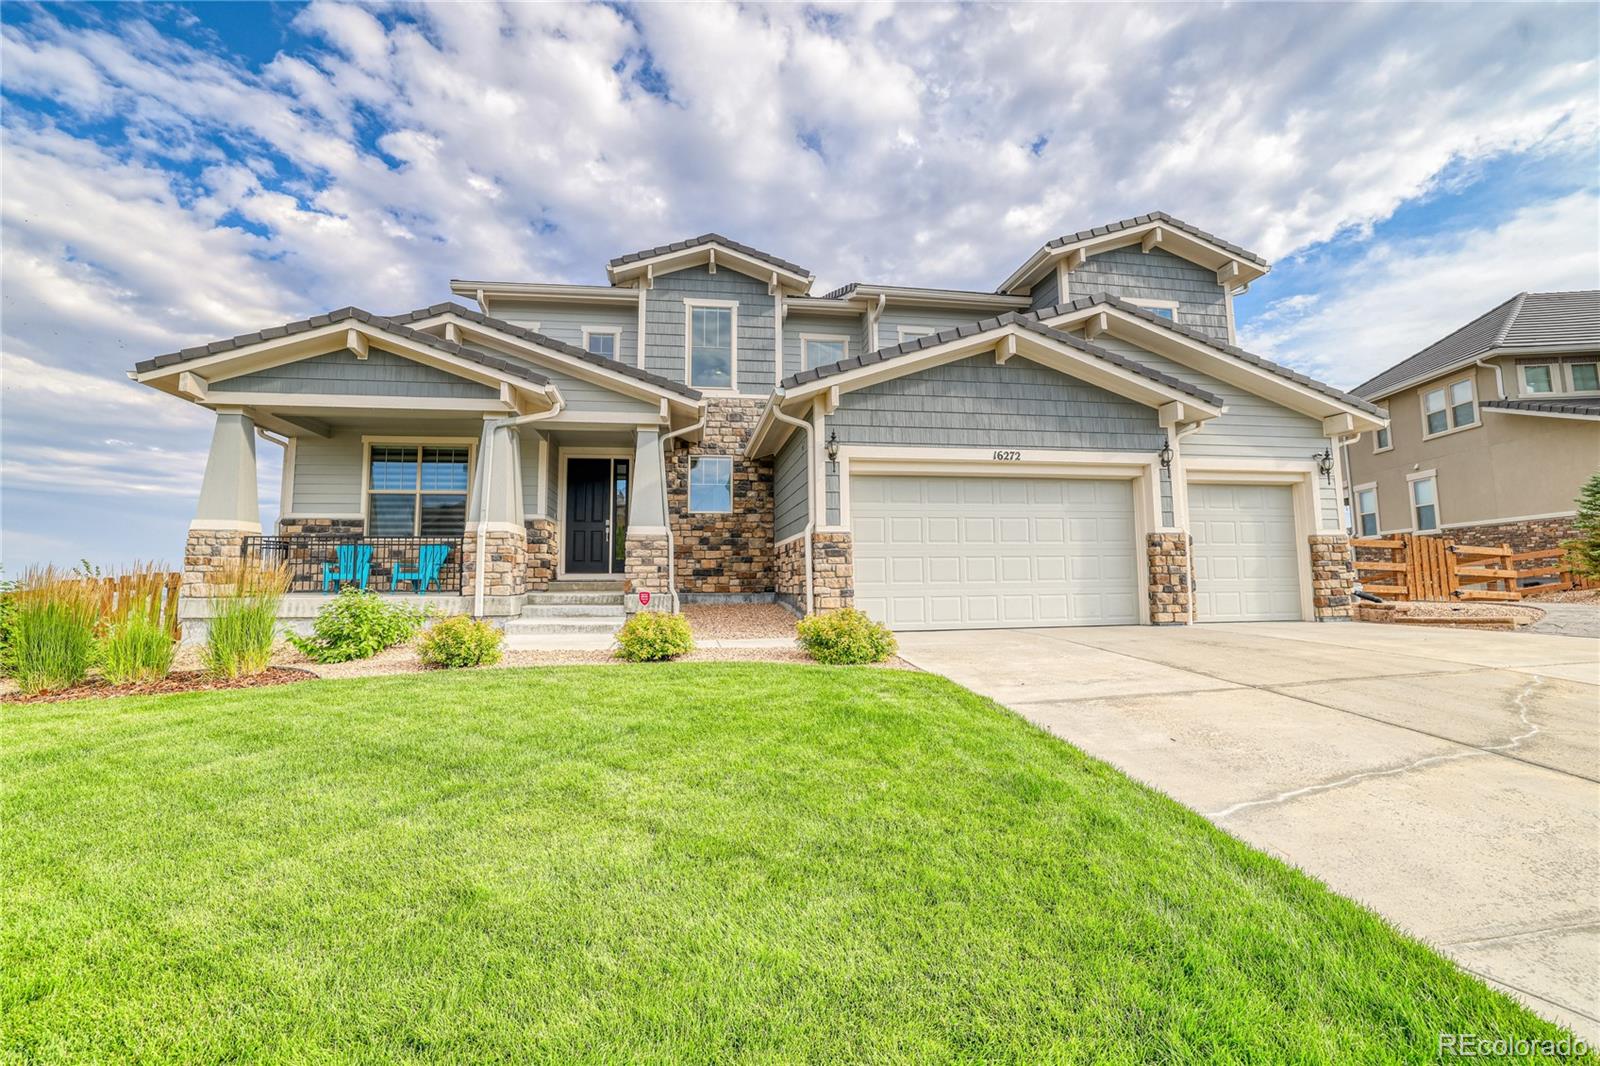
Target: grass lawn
(689,862)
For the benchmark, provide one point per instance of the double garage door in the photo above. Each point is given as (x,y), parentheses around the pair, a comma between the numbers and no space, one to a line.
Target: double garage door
(991,553)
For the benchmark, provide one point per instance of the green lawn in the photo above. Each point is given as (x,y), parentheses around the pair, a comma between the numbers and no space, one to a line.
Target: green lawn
(690,862)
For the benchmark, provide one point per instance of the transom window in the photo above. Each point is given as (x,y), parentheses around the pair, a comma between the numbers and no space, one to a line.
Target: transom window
(601,342)
(1448,407)
(1160,308)
(911,333)
(712,348)
(1425,504)
(711,484)
(417,490)
(1367,511)
(822,349)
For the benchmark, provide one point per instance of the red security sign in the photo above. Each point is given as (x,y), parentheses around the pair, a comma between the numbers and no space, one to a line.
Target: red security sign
(644,599)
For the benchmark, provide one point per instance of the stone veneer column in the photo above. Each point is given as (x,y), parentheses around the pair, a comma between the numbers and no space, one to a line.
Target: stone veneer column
(227,511)
(834,570)
(505,562)
(1333,577)
(543,547)
(1168,555)
(646,570)
(789,573)
(207,553)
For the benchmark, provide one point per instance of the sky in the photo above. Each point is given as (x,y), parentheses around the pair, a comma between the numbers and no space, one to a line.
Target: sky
(173,174)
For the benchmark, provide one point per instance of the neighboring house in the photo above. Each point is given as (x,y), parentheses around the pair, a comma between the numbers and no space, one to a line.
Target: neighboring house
(1492,430)
(702,427)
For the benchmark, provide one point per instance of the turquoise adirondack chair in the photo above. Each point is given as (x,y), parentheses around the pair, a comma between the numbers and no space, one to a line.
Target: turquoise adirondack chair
(355,564)
(430,560)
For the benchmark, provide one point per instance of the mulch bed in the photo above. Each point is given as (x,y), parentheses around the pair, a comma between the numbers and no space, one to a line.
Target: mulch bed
(177,681)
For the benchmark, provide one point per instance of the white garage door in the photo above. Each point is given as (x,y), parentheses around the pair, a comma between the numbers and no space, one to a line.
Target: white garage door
(991,553)
(1246,566)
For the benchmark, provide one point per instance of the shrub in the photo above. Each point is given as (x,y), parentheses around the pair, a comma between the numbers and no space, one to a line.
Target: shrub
(136,649)
(1583,551)
(357,625)
(244,618)
(50,630)
(845,638)
(653,637)
(460,641)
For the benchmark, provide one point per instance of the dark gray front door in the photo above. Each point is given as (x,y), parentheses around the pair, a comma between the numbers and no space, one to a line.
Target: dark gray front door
(588,547)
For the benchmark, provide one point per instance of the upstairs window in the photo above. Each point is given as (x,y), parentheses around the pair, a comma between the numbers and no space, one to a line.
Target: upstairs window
(1576,375)
(1538,378)
(710,484)
(711,343)
(822,349)
(417,490)
(1585,377)
(1449,407)
(1367,510)
(1166,309)
(603,342)
(1381,441)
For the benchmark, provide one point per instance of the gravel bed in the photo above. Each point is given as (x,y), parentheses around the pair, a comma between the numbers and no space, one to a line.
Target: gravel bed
(739,621)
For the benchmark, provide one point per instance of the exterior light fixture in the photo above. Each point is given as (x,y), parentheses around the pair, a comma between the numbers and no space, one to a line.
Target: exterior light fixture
(1325,464)
(833,447)
(1165,455)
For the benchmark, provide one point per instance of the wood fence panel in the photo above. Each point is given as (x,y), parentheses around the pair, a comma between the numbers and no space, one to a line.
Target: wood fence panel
(1432,568)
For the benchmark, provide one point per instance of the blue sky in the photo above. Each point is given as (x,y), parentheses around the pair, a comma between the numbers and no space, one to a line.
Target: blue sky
(174,174)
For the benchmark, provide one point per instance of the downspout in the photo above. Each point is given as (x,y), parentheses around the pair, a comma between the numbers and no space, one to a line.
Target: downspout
(490,426)
(1188,555)
(666,508)
(811,494)
(1499,379)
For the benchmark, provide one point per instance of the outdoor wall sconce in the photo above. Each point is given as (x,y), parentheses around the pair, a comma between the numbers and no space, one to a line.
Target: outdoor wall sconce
(1165,455)
(833,447)
(1325,464)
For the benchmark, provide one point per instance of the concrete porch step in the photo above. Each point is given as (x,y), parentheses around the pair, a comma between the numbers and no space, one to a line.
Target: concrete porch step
(575,610)
(574,599)
(596,584)
(540,627)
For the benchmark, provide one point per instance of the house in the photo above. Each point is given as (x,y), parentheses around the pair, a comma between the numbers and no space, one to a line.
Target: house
(1492,429)
(703,427)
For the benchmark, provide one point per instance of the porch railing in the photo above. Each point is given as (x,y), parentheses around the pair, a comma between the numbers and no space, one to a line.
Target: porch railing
(316,563)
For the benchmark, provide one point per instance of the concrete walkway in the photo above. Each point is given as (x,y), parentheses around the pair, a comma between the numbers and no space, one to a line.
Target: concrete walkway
(1567,619)
(1449,780)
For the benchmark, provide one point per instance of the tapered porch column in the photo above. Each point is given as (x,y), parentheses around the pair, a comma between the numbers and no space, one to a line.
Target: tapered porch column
(495,532)
(228,510)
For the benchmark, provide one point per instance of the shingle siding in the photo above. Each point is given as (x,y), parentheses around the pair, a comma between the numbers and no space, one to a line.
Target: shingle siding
(833,325)
(342,374)
(566,322)
(1157,275)
(790,502)
(664,324)
(1046,293)
(893,318)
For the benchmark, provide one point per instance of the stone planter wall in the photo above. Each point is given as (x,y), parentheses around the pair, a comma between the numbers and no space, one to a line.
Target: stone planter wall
(1333,576)
(505,562)
(543,546)
(724,552)
(1170,596)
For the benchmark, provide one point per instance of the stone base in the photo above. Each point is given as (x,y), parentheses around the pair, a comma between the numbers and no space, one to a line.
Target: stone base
(1529,536)
(321,527)
(789,571)
(646,571)
(1170,599)
(505,565)
(207,554)
(543,547)
(1333,577)
(833,584)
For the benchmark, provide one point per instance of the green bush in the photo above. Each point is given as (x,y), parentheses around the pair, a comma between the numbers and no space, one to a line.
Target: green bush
(1583,550)
(136,649)
(244,620)
(652,637)
(50,631)
(845,638)
(357,625)
(460,641)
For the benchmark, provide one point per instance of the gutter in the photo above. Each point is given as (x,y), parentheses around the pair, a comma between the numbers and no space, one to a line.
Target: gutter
(811,501)
(490,427)
(666,508)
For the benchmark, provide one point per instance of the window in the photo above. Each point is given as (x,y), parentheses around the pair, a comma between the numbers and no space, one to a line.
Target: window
(417,490)
(710,484)
(1367,510)
(1160,308)
(1585,376)
(601,342)
(1424,503)
(911,333)
(1449,407)
(822,349)
(1538,378)
(1381,441)
(711,344)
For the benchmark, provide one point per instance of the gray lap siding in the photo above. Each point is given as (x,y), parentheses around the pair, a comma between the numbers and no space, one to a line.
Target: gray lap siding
(342,374)
(791,502)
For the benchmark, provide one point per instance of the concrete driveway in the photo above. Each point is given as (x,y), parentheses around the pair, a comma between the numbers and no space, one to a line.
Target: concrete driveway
(1448,780)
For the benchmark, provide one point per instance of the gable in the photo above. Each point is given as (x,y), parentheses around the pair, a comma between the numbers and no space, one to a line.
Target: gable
(342,373)
(1157,275)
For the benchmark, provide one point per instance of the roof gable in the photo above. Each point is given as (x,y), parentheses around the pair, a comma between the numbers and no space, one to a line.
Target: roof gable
(704,248)
(1233,263)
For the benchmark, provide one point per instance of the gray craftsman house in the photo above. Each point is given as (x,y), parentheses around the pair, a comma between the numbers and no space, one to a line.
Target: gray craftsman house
(1083,445)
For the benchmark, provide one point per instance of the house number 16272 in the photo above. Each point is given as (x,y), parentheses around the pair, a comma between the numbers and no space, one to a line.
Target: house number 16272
(1008,457)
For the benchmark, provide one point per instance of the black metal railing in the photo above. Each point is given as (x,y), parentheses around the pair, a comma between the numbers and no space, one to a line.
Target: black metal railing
(389,564)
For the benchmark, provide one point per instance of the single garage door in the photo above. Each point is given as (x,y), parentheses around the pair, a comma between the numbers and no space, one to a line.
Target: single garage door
(992,553)
(1246,566)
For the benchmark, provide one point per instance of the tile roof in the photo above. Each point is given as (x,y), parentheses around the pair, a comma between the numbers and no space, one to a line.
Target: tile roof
(1083,303)
(345,314)
(1028,322)
(1166,220)
(1529,320)
(709,238)
(1585,406)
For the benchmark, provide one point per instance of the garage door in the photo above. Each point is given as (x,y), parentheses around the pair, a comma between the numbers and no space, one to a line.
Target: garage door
(990,553)
(1246,565)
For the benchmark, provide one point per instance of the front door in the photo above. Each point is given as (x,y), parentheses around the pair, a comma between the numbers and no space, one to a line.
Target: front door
(597,515)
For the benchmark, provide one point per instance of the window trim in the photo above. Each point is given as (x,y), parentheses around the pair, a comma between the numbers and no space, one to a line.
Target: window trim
(900,333)
(1557,378)
(1449,408)
(688,485)
(1377,519)
(805,363)
(616,341)
(1388,429)
(470,443)
(1411,499)
(1572,384)
(732,306)
(1156,305)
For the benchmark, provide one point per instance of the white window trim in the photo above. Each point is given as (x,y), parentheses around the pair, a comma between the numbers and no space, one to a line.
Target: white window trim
(1438,499)
(1572,385)
(612,332)
(471,444)
(1557,378)
(733,350)
(688,486)
(920,331)
(1377,517)
(1422,408)
(1163,305)
(805,363)
(1375,449)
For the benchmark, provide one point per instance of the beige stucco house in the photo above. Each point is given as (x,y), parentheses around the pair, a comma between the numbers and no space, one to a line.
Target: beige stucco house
(1492,429)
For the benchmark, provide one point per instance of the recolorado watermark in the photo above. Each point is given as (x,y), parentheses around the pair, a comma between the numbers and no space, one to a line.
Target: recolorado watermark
(1473,1046)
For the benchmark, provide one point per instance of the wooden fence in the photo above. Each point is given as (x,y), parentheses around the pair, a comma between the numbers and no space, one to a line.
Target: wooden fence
(1550,564)
(1431,568)
(114,589)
